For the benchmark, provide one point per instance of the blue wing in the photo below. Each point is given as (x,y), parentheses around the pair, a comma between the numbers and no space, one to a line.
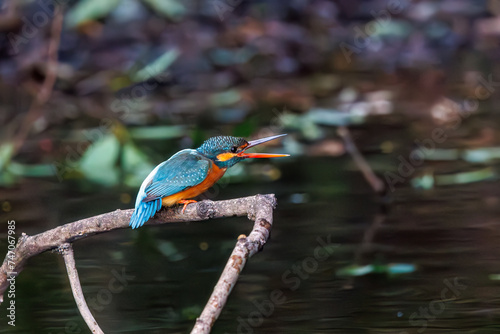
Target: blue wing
(185,169)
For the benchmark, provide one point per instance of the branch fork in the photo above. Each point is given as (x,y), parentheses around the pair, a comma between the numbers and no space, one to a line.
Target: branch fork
(258,208)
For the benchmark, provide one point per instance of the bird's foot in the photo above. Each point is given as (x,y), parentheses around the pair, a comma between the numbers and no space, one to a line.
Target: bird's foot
(186,202)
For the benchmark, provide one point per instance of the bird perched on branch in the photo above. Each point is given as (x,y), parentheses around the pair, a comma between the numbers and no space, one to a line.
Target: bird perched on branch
(189,173)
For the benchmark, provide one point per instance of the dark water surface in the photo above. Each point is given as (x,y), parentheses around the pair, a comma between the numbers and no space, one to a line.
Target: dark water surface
(158,279)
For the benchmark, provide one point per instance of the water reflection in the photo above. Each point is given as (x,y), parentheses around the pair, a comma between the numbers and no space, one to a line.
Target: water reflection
(157,279)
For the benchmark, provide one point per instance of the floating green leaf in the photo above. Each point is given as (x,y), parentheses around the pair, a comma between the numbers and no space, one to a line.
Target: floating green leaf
(400,268)
(425,181)
(355,270)
(136,164)
(390,269)
(7,178)
(466,177)
(304,124)
(334,118)
(481,155)
(226,98)
(6,150)
(172,9)
(158,66)
(39,170)
(158,132)
(88,10)
(393,28)
(98,163)
(494,277)
(438,154)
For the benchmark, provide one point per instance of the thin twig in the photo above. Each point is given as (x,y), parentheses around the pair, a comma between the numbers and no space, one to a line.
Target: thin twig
(360,161)
(244,249)
(69,259)
(48,84)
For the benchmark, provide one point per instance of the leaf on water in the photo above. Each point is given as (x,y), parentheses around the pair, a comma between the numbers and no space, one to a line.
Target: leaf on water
(400,268)
(425,181)
(11,170)
(98,163)
(157,67)
(88,10)
(355,270)
(158,132)
(394,29)
(390,269)
(226,98)
(308,128)
(481,155)
(172,9)
(39,170)
(136,164)
(438,154)
(6,150)
(334,118)
(7,178)
(466,177)
(494,277)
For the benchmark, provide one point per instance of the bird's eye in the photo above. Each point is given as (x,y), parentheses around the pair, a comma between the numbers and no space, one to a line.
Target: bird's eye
(234,149)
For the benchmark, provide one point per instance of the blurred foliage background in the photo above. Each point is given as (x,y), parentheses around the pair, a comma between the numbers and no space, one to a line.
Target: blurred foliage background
(91,104)
(141,79)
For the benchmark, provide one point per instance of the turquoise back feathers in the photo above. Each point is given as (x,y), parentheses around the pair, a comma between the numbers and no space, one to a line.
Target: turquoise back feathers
(184,169)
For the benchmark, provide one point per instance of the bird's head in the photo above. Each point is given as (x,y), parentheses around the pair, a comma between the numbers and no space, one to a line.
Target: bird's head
(226,151)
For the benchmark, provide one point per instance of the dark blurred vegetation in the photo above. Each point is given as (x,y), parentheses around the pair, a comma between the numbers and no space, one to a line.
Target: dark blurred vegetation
(416,82)
(138,80)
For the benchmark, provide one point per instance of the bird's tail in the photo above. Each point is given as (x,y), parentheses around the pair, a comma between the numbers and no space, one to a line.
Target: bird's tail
(143,212)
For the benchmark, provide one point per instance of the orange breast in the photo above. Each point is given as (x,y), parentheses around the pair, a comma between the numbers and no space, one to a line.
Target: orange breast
(214,174)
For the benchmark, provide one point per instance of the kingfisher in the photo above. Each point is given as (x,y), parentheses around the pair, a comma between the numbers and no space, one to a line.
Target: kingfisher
(190,172)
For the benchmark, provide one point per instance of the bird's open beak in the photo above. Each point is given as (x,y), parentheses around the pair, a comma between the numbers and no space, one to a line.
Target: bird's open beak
(256,142)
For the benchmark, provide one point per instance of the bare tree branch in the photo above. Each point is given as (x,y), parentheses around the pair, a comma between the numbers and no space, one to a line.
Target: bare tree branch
(245,248)
(48,84)
(28,246)
(377,185)
(67,252)
(258,208)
